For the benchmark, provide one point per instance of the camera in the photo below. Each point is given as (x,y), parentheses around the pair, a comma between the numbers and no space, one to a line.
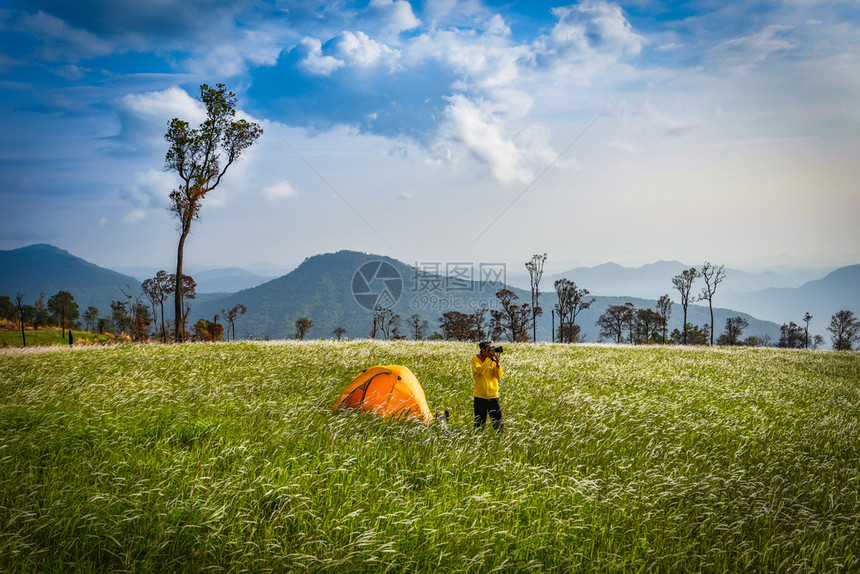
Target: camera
(498,349)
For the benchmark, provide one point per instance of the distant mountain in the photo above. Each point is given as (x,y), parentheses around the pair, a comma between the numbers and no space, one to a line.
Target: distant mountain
(655,279)
(322,289)
(839,290)
(338,289)
(218,280)
(227,280)
(47,269)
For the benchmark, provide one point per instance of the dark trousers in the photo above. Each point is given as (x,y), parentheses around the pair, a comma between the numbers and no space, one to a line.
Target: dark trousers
(492,407)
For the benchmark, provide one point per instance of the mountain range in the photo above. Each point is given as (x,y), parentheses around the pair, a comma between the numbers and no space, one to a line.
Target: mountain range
(323,288)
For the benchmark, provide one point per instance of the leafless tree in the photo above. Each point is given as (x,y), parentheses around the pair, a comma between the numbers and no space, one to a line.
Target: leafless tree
(535,269)
(230,315)
(664,307)
(417,327)
(684,284)
(806,319)
(19,300)
(713,276)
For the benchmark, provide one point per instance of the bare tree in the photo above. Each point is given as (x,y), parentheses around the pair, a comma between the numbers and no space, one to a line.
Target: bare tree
(571,301)
(156,290)
(515,319)
(664,307)
(19,299)
(417,327)
(684,284)
(339,332)
(230,315)
(713,276)
(385,322)
(200,157)
(479,317)
(535,269)
(806,319)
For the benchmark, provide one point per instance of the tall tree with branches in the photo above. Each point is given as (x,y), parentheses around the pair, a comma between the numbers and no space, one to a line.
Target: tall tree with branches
(684,284)
(200,157)
(535,269)
(713,276)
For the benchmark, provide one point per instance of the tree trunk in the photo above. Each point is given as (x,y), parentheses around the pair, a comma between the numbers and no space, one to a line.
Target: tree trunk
(711,306)
(177,299)
(685,324)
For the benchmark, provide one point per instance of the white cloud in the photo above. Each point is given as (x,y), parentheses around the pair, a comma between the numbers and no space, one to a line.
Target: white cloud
(314,60)
(279,191)
(358,48)
(595,26)
(173,102)
(482,133)
(397,15)
(497,26)
(149,190)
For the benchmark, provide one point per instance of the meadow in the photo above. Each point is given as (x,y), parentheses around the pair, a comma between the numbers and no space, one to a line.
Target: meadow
(227,458)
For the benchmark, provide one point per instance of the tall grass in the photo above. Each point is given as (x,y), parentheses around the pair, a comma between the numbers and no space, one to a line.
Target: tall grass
(226,457)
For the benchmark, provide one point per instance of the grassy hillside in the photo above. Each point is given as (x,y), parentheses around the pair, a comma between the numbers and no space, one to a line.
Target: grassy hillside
(614,459)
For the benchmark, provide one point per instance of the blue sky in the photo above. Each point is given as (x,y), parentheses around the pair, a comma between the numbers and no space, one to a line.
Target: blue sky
(441,131)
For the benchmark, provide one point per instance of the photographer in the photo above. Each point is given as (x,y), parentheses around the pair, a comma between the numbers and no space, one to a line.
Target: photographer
(486,372)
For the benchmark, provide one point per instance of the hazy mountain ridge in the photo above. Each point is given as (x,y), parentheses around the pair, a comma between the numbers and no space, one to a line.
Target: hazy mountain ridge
(321,289)
(43,268)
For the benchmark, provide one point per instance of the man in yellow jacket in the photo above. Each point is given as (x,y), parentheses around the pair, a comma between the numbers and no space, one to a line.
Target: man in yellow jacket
(486,372)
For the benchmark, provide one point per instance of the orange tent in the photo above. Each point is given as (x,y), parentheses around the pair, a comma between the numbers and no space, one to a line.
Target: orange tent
(386,390)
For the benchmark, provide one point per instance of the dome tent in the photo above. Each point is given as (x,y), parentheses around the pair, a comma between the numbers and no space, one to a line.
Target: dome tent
(386,390)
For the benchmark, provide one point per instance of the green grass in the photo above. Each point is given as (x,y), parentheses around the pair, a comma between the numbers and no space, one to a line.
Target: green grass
(212,458)
(42,337)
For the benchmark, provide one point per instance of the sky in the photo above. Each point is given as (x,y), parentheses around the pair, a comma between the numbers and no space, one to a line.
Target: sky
(441,131)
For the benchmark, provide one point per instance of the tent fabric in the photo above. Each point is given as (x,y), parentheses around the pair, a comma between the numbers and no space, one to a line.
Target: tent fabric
(386,390)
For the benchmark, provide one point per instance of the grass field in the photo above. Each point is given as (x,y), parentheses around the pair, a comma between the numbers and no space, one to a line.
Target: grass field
(225,457)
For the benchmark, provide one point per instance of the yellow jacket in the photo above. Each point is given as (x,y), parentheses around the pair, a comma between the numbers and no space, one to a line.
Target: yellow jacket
(486,374)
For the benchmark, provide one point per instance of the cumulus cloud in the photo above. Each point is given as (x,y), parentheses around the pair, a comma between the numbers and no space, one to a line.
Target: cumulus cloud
(314,61)
(397,15)
(594,26)
(359,49)
(169,103)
